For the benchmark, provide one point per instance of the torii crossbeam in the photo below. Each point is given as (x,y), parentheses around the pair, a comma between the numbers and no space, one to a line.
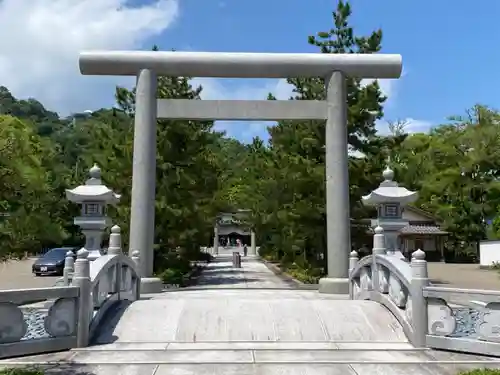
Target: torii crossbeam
(148,65)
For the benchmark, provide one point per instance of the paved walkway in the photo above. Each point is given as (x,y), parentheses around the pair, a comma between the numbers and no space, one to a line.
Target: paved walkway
(251,304)
(253,274)
(248,321)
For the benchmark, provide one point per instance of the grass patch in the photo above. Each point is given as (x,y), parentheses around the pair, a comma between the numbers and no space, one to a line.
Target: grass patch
(481,371)
(21,371)
(305,276)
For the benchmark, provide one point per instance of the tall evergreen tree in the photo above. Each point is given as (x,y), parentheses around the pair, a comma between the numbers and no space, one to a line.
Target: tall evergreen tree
(298,152)
(187,169)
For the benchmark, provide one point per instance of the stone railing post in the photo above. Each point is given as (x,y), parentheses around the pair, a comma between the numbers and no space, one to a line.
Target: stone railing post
(115,241)
(69,267)
(353,261)
(115,248)
(379,241)
(378,249)
(136,257)
(253,244)
(81,278)
(419,280)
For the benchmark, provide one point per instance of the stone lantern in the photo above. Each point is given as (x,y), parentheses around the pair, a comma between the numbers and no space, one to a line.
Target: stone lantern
(94,197)
(390,200)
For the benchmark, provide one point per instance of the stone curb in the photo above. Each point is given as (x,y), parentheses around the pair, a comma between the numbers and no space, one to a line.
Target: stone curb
(281,274)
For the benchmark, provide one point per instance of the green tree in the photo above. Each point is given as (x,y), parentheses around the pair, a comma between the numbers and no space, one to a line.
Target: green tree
(46,122)
(187,171)
(27,196)
(292,194)
(455,169)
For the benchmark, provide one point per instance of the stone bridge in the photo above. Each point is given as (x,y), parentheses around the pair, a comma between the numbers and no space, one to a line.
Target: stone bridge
(247,320)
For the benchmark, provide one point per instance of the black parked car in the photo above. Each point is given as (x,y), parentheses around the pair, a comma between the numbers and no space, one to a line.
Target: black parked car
(52,262)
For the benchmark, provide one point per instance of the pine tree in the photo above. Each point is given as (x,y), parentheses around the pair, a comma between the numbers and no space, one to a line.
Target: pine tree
(298,154)
(186,169)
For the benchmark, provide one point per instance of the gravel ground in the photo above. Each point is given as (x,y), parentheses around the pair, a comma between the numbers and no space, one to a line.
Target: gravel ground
(466,276)
(17,275)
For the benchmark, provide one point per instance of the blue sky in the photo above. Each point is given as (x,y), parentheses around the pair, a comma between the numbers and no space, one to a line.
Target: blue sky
(450,54)
(450,62)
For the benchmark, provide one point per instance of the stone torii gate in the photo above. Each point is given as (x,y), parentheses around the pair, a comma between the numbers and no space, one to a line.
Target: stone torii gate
(148,65)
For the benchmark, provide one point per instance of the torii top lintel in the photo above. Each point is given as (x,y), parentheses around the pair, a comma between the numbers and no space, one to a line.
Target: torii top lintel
(240,65)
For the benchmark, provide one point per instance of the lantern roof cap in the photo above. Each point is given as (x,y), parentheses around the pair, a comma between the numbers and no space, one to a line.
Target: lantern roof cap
(93,190)
(389,192)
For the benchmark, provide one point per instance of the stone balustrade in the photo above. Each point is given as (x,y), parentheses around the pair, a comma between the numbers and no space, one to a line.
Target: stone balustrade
(68,315)
(435,317)
(464,320)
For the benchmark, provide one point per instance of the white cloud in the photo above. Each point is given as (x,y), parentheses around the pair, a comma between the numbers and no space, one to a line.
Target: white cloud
(40,41)
(223,89)
(389,88)
(418,126)
(218,89)
(410,125)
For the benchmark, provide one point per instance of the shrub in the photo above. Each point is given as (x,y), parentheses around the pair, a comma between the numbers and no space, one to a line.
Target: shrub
(495,266)
(171,259)
(172,276)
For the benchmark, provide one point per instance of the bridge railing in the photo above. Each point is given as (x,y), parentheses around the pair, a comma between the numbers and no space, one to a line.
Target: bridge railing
(28,327)
(110,278)
(68,315)
(463,320)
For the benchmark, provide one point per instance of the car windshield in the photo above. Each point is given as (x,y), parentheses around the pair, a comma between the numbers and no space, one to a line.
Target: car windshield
(55,254)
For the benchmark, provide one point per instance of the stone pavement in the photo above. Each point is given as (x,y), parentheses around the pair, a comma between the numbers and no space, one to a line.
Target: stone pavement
(248,321)
(253,274)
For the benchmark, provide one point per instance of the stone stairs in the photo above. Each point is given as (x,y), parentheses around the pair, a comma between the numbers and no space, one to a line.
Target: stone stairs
(257,358)
(247,321)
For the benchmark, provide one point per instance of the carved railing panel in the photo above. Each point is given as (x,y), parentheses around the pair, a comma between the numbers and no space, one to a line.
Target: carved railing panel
(43,326)
(463,320)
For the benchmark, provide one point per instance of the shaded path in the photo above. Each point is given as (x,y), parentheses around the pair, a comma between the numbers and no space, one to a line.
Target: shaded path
(253,274)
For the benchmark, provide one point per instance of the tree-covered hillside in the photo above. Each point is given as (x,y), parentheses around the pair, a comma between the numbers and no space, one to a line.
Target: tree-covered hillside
(200,172)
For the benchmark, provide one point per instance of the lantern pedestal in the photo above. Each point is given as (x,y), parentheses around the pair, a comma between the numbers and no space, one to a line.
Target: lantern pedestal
(94,196)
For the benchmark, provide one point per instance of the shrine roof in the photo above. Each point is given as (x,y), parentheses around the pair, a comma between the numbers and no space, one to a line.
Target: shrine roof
(423,229)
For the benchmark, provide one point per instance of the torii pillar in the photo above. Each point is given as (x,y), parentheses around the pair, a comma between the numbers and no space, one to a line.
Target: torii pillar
(147,65)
